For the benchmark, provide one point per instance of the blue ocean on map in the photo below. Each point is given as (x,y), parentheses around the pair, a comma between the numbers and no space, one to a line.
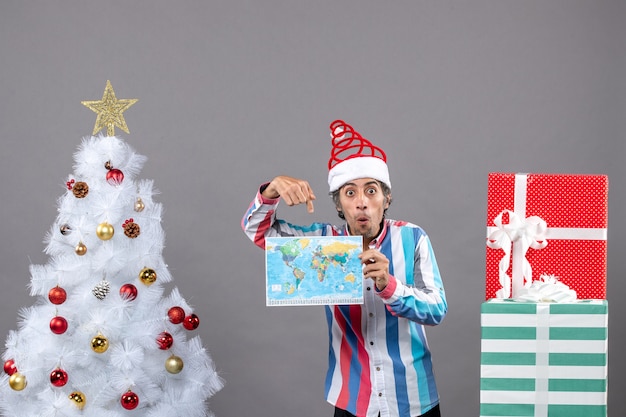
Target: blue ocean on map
(315,270)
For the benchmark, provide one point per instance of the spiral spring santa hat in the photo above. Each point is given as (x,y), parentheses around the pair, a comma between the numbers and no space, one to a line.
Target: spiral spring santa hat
(354,157)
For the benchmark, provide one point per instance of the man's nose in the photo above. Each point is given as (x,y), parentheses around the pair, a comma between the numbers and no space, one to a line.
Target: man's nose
(361,200)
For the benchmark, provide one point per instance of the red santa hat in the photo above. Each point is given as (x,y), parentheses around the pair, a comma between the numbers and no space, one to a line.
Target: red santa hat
(354,157)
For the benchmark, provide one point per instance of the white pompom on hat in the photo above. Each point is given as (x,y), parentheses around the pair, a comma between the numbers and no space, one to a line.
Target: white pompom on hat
(354,157)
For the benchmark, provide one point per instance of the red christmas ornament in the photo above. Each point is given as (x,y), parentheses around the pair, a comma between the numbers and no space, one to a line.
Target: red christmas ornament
(58,377)
(57,295)
(191,322)
(129,400)
(9,367)
(115,176)
(176,314)
(58,325)
(165,341)
(128,292)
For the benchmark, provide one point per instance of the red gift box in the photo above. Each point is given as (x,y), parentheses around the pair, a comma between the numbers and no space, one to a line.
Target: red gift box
(553,224)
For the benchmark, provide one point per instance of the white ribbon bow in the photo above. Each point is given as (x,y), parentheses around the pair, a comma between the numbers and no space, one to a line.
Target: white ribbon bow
(518,236)
(547,289)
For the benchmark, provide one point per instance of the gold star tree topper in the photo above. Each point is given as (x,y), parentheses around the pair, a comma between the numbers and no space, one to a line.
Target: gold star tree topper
(110,111)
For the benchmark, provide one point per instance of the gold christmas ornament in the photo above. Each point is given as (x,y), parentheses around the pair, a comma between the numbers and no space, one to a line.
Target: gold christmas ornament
(81,249)
(99,344)
(148,276)
(174,364)
(105,231)
(78,398)
(110,111)
(139,205)
(17,381)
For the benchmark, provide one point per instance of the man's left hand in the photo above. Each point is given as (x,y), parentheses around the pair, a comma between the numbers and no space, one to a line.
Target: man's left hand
(376,267)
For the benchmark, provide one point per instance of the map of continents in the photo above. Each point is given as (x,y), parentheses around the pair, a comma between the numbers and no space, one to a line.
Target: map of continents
(314,270)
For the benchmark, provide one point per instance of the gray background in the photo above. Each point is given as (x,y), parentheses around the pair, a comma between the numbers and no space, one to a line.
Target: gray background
(233,92)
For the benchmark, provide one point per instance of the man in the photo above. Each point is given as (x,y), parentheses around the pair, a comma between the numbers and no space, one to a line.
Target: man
(379,360)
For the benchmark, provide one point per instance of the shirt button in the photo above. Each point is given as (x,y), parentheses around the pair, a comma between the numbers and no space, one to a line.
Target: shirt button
(380,394)
(368,288)
(378,368)
(372,343)
(371,314)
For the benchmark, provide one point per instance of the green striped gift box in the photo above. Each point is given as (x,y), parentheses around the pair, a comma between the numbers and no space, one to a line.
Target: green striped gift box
(543,359)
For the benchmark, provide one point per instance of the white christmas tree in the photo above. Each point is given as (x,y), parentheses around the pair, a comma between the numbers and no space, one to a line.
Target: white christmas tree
(103,338)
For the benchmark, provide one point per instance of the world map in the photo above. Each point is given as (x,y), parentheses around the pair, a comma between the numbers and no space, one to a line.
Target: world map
(313,270)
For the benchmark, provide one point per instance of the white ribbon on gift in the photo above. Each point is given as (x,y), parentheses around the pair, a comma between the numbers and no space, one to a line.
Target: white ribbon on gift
(522,233)
(519,235)
(547,289)
(542,361)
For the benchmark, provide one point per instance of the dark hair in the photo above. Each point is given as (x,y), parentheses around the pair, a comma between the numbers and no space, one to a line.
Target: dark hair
(386,193)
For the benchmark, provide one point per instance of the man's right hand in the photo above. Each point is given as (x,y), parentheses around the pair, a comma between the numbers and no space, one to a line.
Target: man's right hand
(293,191)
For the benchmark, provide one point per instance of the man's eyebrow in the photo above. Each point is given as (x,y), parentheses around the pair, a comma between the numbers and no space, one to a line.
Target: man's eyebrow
(372,182)
(367,183)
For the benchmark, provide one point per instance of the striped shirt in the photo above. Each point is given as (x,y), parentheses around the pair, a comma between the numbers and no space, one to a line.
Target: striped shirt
(379,360)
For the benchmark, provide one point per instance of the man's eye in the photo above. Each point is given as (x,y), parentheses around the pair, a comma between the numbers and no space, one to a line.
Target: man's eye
(349,193)
(371,191)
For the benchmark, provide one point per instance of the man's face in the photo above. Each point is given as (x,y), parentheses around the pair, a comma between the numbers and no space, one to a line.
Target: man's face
(363,204)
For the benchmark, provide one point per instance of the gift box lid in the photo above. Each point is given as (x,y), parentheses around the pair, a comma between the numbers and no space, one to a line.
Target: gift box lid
(563,200)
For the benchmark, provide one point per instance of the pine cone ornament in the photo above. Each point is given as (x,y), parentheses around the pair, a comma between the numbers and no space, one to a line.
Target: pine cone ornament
(131,229)
(102,289)
(80,189)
